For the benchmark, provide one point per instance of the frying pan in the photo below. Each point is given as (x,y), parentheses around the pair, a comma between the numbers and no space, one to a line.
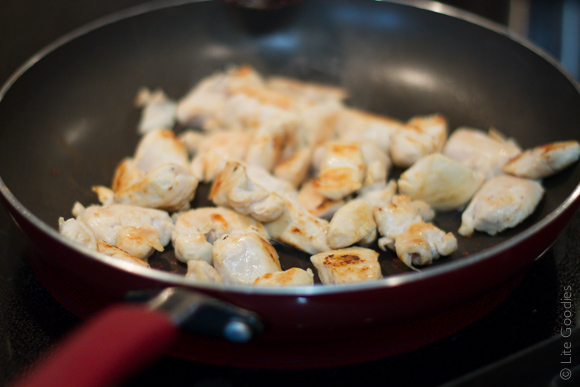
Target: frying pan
(67,120)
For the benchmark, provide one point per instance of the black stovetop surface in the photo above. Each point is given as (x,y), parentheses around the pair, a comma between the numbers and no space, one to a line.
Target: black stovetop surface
(533,315)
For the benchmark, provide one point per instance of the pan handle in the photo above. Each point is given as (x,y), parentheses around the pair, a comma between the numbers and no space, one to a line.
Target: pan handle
(110,347)
(125,338)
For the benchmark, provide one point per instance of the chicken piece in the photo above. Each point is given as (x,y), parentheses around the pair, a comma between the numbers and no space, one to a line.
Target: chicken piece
(317,122)
(193,140)
(422,243)
(77,231)
(420,137)
(377,165)
(308,91)
(353,264)
(443,183)
(544,160)
(264,179)
(159,112)
(117,253)
(205,104)
(216,149)
(502,202)
(299,228)
(395,218)
(196,230)
(170,187)
(357,125)
(315,203)
(341,170)
(291,277)
(126,174)
(295,168)
(138,230)
(243,257)
(201,271)
(233,188)
(158,148)
(379,196)
(484,153)
(352,223)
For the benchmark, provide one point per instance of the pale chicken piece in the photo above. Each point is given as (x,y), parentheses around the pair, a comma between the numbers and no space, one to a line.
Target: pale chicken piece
(158,148)
(544,160)
(502,202)
(356,125)
(379,196)
(203,106)
(295,168)
(291,277)
(422,243)
(309,91)
(317,122)
(353,223)
(419,137)
(377,165)
(271,183)
(193,140)
(138,230)
(315,203)
(396,217)
(353,264)
(196,230)
(77,231)
(342,170)
(201,271)
(243,257)
(117,253)
(233,188)
(159,112)
(299,228)
(216,149)
(445,184)
(169,187)
(484,153)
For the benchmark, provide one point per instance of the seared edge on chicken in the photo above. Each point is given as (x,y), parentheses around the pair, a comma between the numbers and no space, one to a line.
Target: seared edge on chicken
(353,264)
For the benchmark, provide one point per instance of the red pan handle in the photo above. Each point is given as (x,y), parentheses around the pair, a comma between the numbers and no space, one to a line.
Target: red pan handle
(109,348)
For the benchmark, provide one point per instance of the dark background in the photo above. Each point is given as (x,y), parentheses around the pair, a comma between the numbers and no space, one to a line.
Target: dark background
(31,321)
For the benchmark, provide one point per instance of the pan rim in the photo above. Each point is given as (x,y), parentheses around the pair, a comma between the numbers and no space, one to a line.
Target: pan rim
(387,282)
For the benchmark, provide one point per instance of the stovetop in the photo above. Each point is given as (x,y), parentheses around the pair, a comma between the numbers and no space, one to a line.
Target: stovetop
(496,349)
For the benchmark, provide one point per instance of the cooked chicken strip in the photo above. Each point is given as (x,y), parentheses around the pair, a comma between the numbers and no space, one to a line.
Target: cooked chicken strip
(115,252)
(216,149)
(341,170)
(136,230)
(544,160)
(77,231)
(502,202)
(243,257)
(233,188)
(201,271)
(159,112)
(196,230)
(484,153)
(443,183)
(295,168)
(352,223)
(291,277)
(299,228)
(418,138)
(315,203)
(357,125)
(353,264)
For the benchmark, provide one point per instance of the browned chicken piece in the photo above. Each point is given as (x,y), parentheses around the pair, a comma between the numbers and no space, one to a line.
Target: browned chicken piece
(291,277)
(233,188)
(502,202)
(243,257)
(341,171)
(353,223)
(443,183)
(485,153)
(353,264)
(544,160)
(317,204)
(201,271)
(299,228)
(295,168)
(117,253)
(420,137)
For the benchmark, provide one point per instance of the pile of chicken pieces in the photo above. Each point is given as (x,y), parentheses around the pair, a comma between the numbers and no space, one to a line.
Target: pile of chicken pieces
(290,161)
